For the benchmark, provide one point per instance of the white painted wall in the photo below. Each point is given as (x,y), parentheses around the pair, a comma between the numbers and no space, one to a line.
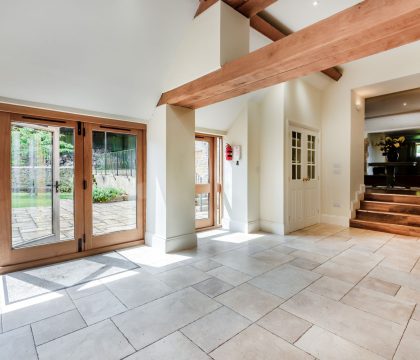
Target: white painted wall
(254,125)
(218,35)
(272,160)
(235,177)
(339,185)
(170,220)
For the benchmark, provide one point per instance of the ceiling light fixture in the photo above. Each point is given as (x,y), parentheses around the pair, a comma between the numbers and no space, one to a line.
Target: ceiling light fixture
(404,104)
(315,3)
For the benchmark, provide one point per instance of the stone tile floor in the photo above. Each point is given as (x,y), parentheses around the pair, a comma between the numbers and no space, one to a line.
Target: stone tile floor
(325,292)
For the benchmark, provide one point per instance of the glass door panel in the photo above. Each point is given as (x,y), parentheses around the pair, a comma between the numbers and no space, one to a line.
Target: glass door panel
(114,195)
(114,185)
(204,181)
(33,170)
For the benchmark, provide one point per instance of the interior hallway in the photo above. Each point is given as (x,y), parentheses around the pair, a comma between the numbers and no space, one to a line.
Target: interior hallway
(236,295)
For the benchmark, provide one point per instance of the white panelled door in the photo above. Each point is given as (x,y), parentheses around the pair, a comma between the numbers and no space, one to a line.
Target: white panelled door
(303,178)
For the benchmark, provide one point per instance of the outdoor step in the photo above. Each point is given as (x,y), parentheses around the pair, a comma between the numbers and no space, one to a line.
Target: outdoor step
(390,228)
(389,217)
(390,207)
(394,198)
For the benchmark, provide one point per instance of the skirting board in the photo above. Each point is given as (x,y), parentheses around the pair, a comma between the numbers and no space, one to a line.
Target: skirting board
(176,243)
(335,220)
(243,227)
(272,227)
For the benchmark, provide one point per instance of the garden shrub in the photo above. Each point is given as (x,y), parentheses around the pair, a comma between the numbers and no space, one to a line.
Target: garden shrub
(106,194)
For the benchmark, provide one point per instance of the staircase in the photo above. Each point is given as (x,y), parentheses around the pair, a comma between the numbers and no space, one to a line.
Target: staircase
(392,213)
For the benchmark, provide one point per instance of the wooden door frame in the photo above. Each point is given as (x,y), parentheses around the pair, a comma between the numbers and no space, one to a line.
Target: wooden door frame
(69,249)
(119,237)
(295,126)
(216,187)
(16,256)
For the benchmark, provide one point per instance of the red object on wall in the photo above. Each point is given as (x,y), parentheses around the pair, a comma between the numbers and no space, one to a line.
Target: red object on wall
(229,152)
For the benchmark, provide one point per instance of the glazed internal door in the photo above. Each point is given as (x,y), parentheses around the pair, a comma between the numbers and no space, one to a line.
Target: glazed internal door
(42,161)
(204,181)
(114,198)
(303,179)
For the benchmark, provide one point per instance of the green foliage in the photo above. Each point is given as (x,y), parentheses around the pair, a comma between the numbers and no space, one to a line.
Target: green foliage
(106,194)
(66,186)
(24,136)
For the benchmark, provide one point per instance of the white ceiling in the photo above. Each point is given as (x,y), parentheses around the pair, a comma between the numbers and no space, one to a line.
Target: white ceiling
(298,14)
(108,56)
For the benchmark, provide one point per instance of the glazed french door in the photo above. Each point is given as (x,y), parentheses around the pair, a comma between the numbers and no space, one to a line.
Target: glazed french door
(42,212)
(303,177)
(67,187)
(204,181)
(114,197)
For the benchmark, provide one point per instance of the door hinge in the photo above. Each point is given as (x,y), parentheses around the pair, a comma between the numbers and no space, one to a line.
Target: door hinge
(81,129)
(84,184)
(81,243)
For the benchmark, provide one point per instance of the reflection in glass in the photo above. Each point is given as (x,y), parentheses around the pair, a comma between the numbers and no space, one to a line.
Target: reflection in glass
(42,172)
(202,162)
(202,202)
(114,192)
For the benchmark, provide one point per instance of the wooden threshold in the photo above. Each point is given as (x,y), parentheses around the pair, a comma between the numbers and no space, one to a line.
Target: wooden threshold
(62,258)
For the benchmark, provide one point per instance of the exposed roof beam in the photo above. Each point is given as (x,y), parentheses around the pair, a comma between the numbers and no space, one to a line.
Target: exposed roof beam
(253,7)
(365,29)
(250,8)
(204,5)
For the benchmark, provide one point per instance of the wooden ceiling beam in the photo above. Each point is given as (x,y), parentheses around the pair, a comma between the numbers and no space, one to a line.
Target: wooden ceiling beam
(365,29)
(204,5)
(253,7)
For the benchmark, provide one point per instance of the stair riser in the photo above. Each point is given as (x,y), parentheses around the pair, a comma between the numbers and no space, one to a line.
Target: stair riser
(404,199)
(397,208)
(389,218)
(387,228)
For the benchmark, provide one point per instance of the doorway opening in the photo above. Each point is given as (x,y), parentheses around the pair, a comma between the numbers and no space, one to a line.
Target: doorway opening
(208,181)
(69,188)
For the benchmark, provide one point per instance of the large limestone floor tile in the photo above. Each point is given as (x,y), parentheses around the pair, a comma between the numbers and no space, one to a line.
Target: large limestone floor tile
(257,343)
(173,346)
(324,345)
(246,264)
(379,285)
(136,288)
(249,301)
(368,331)
(17,345)
(332,288)
(214,329)
(304,263)
(358,258)
(182,277)
(283,324)
(402,278)
(231,276)
(157,319)
(402,263)
(57,326)
(35,309)
(85,289)
(98,307)
(310,256)
(385,306)
(272,256)
(285,281)
(100,341)
(409,348)
(212,287)
(206,265)
(348,273)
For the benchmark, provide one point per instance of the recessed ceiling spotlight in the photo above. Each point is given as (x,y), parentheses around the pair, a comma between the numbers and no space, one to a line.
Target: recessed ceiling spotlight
(315,3)
(404,104)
